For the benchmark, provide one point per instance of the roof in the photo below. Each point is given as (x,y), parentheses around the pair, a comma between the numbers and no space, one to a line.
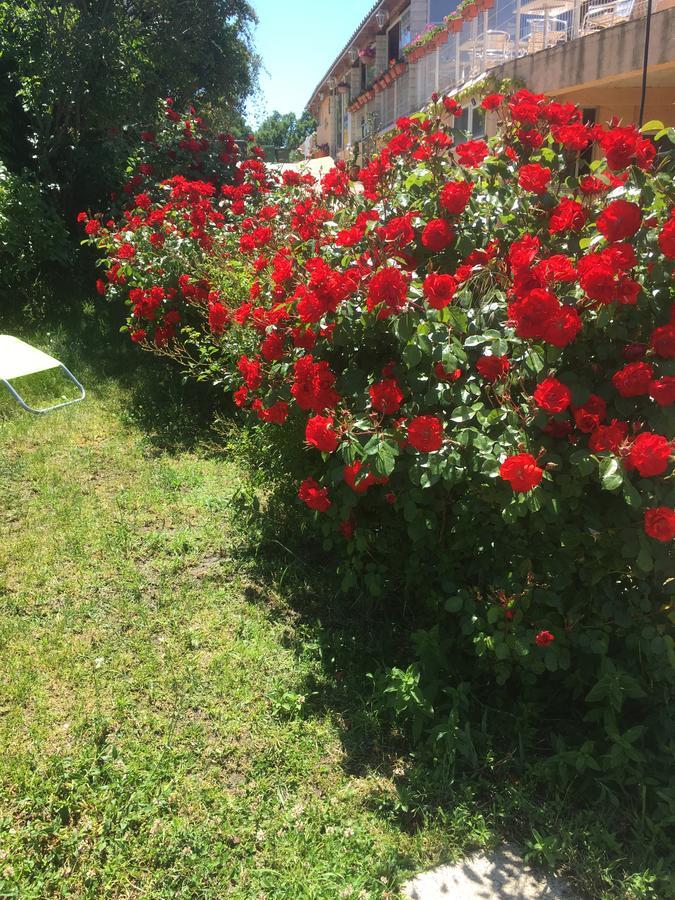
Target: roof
(362,23)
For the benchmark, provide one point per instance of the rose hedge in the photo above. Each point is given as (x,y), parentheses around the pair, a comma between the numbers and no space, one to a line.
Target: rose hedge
(475,347)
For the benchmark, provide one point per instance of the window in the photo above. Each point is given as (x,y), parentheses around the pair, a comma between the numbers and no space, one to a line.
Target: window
(406,34)
(477,122)
(394,46)
(439,9)
(462,122)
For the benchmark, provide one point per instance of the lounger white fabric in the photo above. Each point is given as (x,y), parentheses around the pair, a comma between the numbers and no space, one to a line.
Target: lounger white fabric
(17,358)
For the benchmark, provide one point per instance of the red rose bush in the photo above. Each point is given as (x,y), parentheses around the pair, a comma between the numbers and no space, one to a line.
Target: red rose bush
(474,349)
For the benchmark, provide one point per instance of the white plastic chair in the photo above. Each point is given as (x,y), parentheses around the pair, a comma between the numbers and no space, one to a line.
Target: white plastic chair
(17,358)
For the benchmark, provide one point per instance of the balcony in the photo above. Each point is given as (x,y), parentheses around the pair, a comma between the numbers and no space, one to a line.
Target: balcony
(500,38)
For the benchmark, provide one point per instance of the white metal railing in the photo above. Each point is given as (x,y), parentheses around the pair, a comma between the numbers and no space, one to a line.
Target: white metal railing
(509,29)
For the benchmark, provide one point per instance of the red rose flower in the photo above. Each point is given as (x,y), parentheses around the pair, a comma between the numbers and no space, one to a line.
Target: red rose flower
(521,471)
(360,485)
(608,437)
(313,495)
(443,375)
(251,372)
(590,414)
(649,454)
(386,396)
(666,239)
(455,195)
(439,290)
(425,433)
(660,523)
(544,638)
(634,379)
(620,220)
(568,215)
(662,390)
(523,252)
(272,347)
(320,434)
(663,341)
(552,395)
(437,235)
(472,153)
(493,368)
(126,251)
(218,317)
(276,414)
(388,286)
(534,178)
(492,101)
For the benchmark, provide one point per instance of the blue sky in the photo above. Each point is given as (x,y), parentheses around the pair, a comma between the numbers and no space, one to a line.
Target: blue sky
(298,40)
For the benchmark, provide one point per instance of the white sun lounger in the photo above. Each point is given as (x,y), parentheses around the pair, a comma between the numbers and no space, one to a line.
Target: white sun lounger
(18,359)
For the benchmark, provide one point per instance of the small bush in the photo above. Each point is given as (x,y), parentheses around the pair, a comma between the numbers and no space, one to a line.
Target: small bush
(477,347)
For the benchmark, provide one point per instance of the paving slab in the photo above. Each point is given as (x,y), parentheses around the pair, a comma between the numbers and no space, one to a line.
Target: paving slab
(500,875)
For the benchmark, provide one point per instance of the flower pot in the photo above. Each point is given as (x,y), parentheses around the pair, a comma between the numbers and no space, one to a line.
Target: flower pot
(488,4)
(399,69)
(469,12)
(456,25)
(443,37)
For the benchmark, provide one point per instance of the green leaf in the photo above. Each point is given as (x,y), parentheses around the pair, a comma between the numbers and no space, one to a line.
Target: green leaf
(385,459)
(611,474)
(454,604)
(475,339)
(412,355)
(462,414)
(652,125)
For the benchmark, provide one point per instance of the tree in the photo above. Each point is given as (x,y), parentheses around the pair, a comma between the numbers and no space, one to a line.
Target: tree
(77,72)
(285,130)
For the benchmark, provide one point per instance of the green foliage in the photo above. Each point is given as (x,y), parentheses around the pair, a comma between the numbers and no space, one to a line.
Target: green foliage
(35,250)
(78,80)
(82,72)
(284,130)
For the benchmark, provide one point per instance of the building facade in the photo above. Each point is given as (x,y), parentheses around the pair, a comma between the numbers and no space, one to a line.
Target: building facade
(590,52)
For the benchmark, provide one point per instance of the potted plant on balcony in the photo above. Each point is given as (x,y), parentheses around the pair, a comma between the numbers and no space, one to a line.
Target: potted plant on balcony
(454,22)
(367,55)
(343,88)
(469,11)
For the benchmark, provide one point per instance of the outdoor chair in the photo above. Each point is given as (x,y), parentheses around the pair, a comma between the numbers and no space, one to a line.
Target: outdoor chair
(18,359)
(556,34)
(496,48)
(604,15)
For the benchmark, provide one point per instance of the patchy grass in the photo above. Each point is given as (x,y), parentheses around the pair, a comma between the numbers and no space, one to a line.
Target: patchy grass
(183,714)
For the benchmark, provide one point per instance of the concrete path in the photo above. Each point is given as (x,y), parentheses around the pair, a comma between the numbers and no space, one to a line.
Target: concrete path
(501,875)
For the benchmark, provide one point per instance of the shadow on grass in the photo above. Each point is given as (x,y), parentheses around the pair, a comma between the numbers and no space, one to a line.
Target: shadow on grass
(351,640)
(175,415)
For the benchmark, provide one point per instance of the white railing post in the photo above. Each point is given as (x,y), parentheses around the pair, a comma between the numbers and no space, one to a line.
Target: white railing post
(518,27)
(457,54)
(438,68)
(576,19)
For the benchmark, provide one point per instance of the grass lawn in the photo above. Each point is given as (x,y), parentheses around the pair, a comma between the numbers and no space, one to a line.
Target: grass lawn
(178,716)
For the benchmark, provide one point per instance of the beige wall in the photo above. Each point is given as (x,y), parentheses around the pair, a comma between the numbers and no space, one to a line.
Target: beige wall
(323,120)
(603,70)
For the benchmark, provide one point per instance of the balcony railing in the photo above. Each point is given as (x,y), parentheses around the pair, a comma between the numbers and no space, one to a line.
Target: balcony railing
(509,29)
